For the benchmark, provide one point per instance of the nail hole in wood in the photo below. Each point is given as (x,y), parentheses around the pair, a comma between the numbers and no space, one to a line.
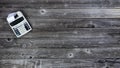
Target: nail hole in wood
(70,55)
(107,67)
(22,54)
(9,40)
(91,26)
(42,11)
(30,57)
(101,61)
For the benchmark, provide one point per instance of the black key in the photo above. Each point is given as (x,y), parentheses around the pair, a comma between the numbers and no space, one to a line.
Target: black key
(26,26)
(16,16)
(16,31)
(17,21)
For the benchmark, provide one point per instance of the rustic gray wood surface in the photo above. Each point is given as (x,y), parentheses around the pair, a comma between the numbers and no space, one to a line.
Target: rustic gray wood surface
(66,34)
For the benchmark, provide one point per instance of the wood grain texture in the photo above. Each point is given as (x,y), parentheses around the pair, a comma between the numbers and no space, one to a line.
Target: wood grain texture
(64,13)
(59,53)
(47,63)
(66,34)
(59,5)
(56,63)
(59,43)
(68,23)
(63,1)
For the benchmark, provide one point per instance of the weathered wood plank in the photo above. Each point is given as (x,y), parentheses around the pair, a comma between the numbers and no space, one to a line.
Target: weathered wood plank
(59,6)
(67,33)
(64,1)
(68,23)
(64,13)
(58,63)
(60,3)
(60,42)
(57,53)
(47,63)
